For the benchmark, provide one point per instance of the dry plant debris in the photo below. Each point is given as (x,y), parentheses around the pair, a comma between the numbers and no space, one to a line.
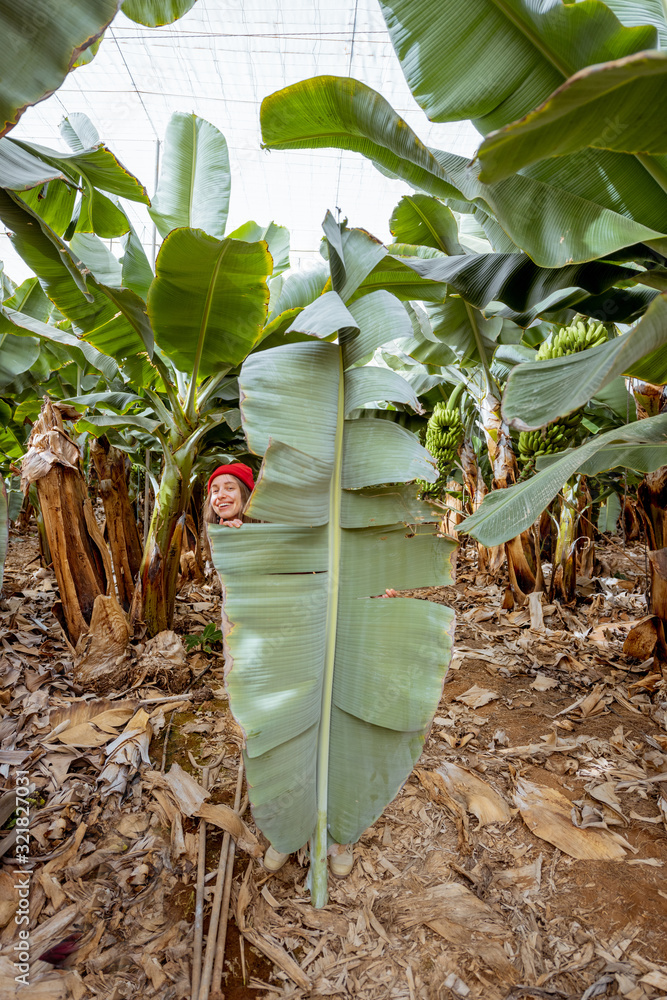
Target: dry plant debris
(524,858)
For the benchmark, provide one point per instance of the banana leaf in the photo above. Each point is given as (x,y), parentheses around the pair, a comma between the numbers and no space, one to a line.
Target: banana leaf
(22,326)
(17,355)
(421,220)
(276,238)
(89,305)
(493,62)
(504,514)
(335,691)
(616,105)
(29,298)
(155,13)
(137,272)
(21,170)
(542,391)
(296,289)
(195,180)
(514,279)
(97,165)
(97,257)
(79,132)
(638,12)
(209,299)
(596,207)
(41,42)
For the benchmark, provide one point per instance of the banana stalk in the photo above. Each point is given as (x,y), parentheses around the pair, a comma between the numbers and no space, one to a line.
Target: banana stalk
(651,400)
(564,575)
(488,560)
(522,565)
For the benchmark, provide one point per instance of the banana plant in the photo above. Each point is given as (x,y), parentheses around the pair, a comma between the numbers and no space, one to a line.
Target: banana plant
(335,691)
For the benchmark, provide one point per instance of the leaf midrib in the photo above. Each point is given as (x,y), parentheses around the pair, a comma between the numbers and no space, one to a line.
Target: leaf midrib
(533,38)
(193,168)
(207,309)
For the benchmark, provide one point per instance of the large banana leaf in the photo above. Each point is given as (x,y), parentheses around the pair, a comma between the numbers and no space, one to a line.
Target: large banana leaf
(638,12)
(155,13)
(619,105)
(23,327)
(514,279)
(21,170)
(493,62)
(504,514)
(98,166)
(17,355)
(195,179)
(542,391)
(39,44)
(595,209)
(421,220)
(334,690)
(91,306)
(276,238)
(209,300)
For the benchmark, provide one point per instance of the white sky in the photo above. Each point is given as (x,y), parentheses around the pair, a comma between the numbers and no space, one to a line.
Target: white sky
(219,61)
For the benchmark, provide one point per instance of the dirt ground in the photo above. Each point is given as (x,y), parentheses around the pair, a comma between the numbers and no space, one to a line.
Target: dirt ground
(524,857)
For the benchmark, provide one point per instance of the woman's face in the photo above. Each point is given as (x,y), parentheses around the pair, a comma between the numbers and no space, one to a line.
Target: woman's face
(225,498)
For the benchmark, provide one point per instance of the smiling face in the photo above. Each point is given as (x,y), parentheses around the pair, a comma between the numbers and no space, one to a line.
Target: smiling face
(226,497)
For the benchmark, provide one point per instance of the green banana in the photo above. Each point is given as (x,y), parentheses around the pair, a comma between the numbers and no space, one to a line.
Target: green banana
(579,336)
(444,436)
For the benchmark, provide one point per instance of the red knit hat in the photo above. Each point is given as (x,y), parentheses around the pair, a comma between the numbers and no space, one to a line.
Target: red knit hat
(238,469)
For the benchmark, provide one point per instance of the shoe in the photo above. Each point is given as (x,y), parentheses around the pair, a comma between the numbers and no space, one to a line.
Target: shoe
(274,860)
(341,864)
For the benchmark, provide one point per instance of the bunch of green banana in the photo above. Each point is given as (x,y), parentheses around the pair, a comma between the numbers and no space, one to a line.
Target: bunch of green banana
(444,435)
(561,434)
(572,339)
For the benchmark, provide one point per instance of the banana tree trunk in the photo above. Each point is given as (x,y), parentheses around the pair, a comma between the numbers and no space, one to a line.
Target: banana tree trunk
(519,551)
(44,550)
(489,561)
(652,494)
(650,401)
(80,557)
(564,575)
(156,585)
(585,557)
(122,529)
(454,512)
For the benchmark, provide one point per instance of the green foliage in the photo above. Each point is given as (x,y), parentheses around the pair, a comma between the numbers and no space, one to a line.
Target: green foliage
(206,640)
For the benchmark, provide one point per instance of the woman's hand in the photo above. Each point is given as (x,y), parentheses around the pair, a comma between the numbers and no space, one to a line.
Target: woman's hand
(235,522)
(390,592)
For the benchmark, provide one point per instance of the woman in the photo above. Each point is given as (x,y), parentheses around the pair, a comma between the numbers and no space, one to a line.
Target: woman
(229,489)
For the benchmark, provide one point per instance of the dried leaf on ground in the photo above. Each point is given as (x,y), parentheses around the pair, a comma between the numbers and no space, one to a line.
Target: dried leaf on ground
(547,813)
(468,791)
